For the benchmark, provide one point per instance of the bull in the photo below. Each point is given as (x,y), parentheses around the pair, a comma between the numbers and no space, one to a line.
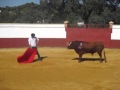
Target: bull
(82,47)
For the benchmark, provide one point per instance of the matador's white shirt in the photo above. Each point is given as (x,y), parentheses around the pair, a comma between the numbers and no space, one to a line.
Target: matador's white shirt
(33,41)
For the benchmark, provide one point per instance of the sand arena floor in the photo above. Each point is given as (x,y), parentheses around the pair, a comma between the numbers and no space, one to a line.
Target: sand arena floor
(59,70)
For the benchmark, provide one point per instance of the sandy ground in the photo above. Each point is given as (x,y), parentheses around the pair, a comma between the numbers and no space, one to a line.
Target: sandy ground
(59,70)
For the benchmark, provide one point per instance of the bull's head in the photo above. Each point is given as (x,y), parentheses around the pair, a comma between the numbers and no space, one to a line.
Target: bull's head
(70,45)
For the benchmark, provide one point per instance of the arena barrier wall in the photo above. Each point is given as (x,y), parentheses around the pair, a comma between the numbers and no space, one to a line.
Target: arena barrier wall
(110,36)
(115,36)
(16,35)
(55,35)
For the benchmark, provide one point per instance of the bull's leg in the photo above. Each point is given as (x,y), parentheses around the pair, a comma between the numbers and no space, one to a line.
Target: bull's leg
(80,56)
(100,55)
(105,57)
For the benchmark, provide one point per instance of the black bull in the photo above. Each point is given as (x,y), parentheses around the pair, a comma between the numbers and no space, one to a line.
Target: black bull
(81,48)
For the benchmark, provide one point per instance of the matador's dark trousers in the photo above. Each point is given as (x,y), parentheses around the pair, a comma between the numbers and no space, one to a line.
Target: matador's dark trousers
(37,52)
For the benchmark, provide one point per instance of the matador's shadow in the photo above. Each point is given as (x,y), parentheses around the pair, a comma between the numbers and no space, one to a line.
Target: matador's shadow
(35,60)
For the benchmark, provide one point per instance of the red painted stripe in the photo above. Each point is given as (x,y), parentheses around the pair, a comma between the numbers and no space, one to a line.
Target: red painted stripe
(23,42)
(115,43)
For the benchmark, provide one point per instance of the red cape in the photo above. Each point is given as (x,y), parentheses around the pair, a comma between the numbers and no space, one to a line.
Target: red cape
(28,56)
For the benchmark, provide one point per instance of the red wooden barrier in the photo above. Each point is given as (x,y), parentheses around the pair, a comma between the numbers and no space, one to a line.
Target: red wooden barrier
(90,35)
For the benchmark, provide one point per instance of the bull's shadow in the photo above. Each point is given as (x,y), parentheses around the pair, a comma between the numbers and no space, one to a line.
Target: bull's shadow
(88,59)
(35,60)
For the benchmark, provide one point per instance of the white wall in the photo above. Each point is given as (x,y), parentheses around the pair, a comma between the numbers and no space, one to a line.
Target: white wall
(24,30)
(115,32)
(12,30)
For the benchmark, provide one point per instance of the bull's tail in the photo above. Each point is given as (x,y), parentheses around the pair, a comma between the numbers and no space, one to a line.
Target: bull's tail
(105,57)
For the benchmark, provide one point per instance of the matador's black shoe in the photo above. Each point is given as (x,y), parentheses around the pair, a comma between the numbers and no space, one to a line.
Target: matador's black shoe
(39,58)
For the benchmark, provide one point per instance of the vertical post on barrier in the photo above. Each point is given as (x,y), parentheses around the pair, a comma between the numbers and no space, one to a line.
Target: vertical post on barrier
(111,24)
(66,24)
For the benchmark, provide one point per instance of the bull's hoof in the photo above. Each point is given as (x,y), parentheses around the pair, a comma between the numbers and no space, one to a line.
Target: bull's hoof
(79,61)
(100,61)
(105,61)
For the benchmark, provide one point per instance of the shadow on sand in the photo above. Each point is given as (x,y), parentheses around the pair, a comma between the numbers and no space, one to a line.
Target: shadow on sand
(88,59)
(35,60)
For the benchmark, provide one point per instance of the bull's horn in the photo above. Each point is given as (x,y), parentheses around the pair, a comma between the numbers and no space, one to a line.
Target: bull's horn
(69,43)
